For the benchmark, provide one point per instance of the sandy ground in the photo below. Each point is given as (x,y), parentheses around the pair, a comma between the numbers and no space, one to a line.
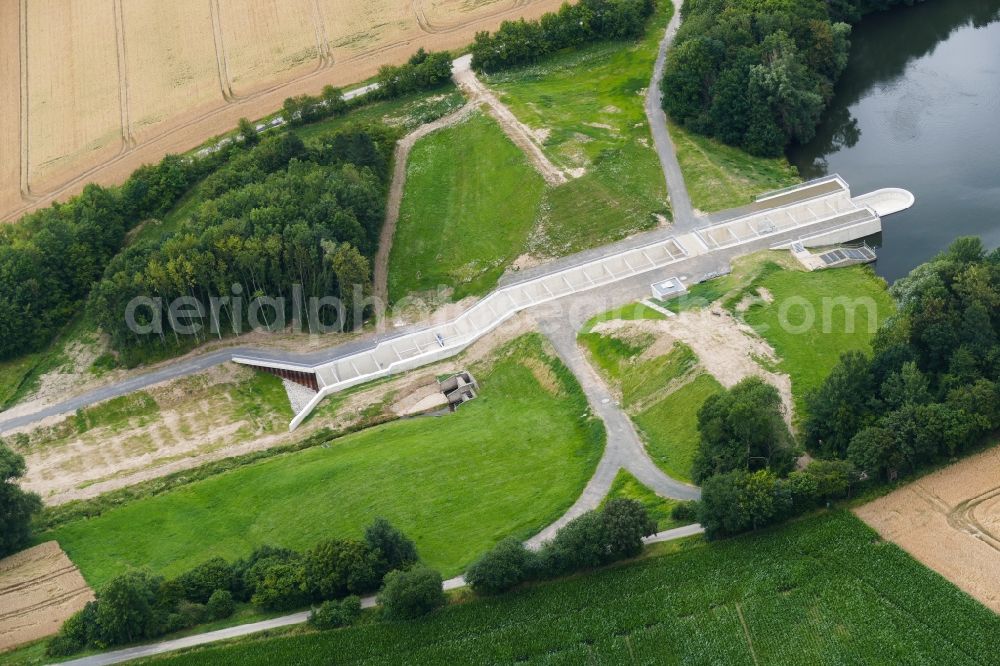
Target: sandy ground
(39,588)
(949,521)
(81,107)
(725,347)
(200,419)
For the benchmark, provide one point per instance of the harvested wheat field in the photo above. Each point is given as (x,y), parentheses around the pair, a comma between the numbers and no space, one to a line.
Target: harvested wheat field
(39,588)
(950,521)
(95,88)
(166,74)
(72,86)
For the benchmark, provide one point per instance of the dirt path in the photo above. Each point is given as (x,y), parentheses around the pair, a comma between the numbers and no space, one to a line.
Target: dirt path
(400,160)
(517,131)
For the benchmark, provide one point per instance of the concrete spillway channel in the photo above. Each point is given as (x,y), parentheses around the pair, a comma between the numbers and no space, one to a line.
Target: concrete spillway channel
(813,214)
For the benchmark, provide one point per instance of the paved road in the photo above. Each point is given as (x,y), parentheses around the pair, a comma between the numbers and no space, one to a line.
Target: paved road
(680,202)
(623,449)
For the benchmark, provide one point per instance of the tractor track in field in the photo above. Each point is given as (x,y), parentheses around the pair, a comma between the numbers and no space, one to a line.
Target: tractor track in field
(128,140)
(23,68)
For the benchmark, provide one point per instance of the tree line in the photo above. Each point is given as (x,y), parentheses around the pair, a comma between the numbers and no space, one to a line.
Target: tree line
(278,215)
(137,605)
(930,389)
(595,539)
(521,42)
(50,259)
(928,392)
(759,75)
(424,70)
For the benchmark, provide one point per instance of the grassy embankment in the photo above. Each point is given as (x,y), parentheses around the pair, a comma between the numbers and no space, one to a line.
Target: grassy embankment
(825,589)
(456,484)
(470,201)
(718,176)
(626,486)
(845,306)
(589,101)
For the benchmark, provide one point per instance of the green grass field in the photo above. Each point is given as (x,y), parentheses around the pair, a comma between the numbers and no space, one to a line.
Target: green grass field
(816,317)
(669,427)
(626,486)
(823,590)
(718,176)
(506,464)
(590,101)
(470,202)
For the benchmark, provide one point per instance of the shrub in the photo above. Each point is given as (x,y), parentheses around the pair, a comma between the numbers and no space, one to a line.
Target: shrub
(220,605)
(508,564)
(332,614)
(125,609)
(279,585)
(393,548)
(16,506)
(626,522)
(685,512)
(190,614)
(741,501)
(250,570)
(580,544)
(520,42)
(199,583)
(75,632)
(338,567)
(411,593)
(743,429)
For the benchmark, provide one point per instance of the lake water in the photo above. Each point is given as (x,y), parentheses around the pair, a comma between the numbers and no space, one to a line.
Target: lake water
(919,107)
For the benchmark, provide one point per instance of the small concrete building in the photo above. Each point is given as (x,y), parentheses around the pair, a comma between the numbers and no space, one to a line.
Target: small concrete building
(668,288)
(459,389)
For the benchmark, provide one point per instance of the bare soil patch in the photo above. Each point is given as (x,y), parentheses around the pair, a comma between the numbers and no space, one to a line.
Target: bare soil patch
(725,347)
(39,588)
(949,521)
(522,135)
